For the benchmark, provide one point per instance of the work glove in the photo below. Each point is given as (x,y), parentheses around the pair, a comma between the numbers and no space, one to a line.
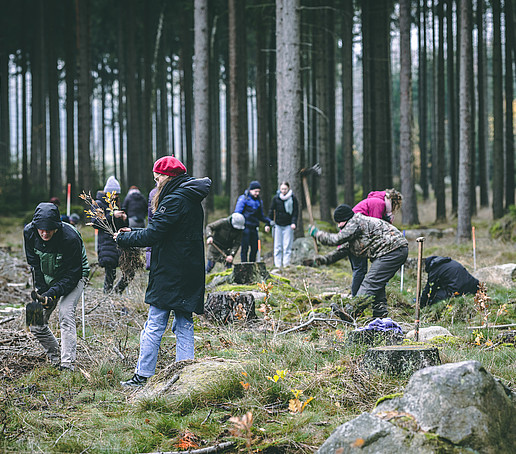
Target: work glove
(312,230)
(48,302)
(309,262)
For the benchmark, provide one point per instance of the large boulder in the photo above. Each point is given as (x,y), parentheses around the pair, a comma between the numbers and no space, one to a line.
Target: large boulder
(498,275)
(457,407)
(428,333)
(302,249)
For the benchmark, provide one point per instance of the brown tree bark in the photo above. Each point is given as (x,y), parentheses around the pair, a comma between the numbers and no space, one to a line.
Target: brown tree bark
(509,97)
(440,160)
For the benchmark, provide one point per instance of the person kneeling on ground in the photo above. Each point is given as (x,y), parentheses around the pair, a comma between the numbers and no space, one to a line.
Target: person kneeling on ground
(56,252)
(446,278)
(376,239)
(177,277)
(224,237)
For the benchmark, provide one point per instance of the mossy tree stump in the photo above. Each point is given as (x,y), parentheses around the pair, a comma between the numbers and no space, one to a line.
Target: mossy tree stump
(249,273)
(228,307)
(401,359)
(374,338)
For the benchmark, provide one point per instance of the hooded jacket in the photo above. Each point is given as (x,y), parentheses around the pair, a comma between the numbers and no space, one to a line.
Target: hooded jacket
(175,233)
(224,236)
(59,263)
(374,206)
(107,250)
(446,278)
(135,205)
(252,209)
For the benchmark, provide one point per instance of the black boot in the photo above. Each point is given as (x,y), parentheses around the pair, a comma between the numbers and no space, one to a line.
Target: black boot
(134,382)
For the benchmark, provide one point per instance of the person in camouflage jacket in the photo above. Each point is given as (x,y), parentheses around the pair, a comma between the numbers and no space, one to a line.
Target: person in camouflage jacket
(223,238)
(376,239)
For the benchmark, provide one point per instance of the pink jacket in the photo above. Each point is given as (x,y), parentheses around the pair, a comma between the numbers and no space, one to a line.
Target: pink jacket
(375,206)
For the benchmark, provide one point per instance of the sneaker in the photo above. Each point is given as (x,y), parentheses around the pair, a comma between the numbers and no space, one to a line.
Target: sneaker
(134,382)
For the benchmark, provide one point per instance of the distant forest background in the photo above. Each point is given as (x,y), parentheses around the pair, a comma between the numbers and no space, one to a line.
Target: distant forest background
(417,95)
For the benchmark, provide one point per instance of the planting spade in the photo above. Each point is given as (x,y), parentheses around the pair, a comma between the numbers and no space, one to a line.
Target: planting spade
(34,309)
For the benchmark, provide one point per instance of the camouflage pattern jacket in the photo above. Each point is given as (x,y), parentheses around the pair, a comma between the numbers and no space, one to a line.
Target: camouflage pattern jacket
(365,236)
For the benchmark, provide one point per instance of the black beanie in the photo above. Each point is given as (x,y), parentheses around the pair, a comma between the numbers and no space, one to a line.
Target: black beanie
(343,213)
(255,185)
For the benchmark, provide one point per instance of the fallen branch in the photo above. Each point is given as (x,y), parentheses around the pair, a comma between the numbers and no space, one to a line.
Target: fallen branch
(217,448)
(511,325)
(7,320)
(314,319)
(169,384)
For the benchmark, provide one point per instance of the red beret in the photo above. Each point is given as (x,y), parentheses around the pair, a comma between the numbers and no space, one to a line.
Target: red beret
(168,165)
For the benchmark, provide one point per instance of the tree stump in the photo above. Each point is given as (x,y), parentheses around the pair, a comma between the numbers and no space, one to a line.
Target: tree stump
(370,337)
(228,307)
(249,273)
(401,360)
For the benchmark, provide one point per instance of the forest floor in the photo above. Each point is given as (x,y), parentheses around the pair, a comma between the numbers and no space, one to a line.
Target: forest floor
(44,410)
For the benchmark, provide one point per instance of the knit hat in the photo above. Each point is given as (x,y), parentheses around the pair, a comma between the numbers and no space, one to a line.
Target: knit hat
(343,213)
(112,184)
(255,185)
(238,221)
(168,165)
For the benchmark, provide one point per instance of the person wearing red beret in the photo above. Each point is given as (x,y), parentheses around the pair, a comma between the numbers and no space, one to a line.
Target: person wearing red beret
(177,277)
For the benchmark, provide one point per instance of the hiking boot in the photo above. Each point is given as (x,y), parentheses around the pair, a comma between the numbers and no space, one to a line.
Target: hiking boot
(134,382)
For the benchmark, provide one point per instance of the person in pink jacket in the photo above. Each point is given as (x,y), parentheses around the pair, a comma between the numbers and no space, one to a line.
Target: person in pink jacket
(381,205)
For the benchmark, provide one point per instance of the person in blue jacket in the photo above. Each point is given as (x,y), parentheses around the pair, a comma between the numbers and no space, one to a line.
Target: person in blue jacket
(177,277)
(251,206)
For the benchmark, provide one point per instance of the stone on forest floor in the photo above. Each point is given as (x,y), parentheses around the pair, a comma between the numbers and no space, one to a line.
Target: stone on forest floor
(228,307)
(302,249)
(428,333)
(498,275)
(454,408)
(400,359)
(249,273)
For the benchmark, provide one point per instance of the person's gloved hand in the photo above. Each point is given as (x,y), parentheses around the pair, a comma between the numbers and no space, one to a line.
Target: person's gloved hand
(309,262)
(47,302)
(312,230)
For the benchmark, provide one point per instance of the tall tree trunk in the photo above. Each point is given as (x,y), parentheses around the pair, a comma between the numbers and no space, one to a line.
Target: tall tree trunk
(482,114)
(473,180)
(148,108)
(509,115)
(330,65)
(201,85)
(70,69)
(423,106)
(288,69)
(122,106)
(368,175)
(5,133)
(347,102)
(466,58)
(102,117)
(186,65)
(323,111)
(410,215)
(262,156)
(84,90)
(214,79)
(238,98)
(25,164)
(498,155)
(451,98)
(440,160)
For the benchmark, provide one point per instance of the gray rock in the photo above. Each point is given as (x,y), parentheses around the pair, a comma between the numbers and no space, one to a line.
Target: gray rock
(425,334)
(455,408)
(498,275)
(302,249)
(462,403)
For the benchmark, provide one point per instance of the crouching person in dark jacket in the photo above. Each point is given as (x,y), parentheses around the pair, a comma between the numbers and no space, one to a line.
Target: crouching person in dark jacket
(224,237)
(176,279)
(56,252)
(376,239)
(446,278)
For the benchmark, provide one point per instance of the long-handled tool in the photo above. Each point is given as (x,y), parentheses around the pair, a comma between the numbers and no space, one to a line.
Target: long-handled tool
(220,250)
(314,170)
(420,242)
(34,309)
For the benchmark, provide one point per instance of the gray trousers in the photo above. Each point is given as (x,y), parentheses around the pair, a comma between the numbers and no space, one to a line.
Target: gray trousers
(381,271)
(68,352)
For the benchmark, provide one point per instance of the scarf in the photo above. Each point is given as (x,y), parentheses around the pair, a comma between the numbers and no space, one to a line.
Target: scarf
(288,202)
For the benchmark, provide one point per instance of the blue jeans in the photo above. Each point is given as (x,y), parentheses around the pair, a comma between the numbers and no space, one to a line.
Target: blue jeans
(153,330)
(283,239)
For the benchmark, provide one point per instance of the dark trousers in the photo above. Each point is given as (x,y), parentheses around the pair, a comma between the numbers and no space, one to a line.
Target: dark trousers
(109,280)
(249,240)
(211,263)
(359,268)
(382,270)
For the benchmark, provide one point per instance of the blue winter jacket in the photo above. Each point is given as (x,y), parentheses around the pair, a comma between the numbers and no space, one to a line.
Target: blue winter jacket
(252,209)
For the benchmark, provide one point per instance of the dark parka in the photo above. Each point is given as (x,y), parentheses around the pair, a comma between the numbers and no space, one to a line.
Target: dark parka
(278,214)
(107,250)
(446,278)
(59,263)
(135,205)
(175,233)
(224,236)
